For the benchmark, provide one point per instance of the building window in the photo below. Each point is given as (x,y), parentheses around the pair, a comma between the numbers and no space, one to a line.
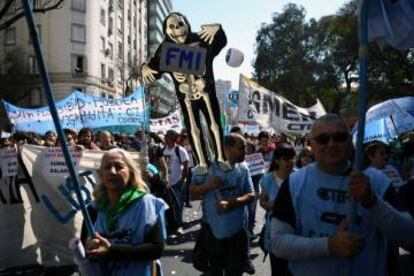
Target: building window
(120,25)
(103,72)
(111,50)
(111,77)
(36,97)
(120,50)
(79,5)
(121,4)
(110,26)
(103,44)
(78,88)
(111,6)
(33,68)
(78,33)
(120,76)
(10,36)
(129,58)
(78,64)
(103,17)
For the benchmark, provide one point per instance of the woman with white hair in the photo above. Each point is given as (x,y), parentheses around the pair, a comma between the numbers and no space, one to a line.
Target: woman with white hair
(129,221)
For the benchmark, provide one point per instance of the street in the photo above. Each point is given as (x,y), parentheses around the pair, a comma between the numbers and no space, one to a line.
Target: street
(176,258)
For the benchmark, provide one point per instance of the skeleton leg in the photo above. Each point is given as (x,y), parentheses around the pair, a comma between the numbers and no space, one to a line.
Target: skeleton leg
(215,130)
(195,134)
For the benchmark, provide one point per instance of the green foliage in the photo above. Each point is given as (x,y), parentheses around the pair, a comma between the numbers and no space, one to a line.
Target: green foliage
(304,60)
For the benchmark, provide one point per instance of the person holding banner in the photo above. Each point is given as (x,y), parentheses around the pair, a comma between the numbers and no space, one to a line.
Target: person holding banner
(309,225)
(281,166)
(129,221)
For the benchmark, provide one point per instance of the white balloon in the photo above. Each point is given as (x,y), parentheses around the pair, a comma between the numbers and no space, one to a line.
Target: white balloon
(234,57)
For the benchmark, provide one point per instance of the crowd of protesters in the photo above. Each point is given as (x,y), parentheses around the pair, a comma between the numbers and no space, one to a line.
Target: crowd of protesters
(303,193)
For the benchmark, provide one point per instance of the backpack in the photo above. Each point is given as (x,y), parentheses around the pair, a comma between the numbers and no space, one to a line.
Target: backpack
(177,153)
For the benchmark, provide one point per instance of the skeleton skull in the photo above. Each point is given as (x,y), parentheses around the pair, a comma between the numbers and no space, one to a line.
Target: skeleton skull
(177,28)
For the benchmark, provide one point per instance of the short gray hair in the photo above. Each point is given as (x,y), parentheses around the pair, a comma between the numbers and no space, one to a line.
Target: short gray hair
(330,118)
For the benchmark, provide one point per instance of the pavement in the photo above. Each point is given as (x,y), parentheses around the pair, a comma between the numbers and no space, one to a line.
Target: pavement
(177,260)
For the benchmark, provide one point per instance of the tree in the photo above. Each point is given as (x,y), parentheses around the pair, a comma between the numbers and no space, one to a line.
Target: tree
(390,73)
(283,56)
(337,47)
(12,10)
(319,59)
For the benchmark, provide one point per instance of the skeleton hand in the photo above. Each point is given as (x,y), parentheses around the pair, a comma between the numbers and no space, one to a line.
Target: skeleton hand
(147,74)
(208,32)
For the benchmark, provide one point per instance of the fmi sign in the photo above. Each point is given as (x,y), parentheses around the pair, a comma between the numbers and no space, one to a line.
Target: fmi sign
(183,59)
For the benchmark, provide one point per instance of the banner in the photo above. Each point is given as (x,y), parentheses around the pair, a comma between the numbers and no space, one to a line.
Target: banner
(261,106)
(163,124)
(80,110)
(38,207)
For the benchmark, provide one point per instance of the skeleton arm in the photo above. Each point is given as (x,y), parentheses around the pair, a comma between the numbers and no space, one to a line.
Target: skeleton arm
(147,74)
(208,32)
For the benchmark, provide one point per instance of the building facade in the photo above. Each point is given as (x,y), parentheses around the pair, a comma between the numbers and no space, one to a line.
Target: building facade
(162,91)
(89,46)
(222,88)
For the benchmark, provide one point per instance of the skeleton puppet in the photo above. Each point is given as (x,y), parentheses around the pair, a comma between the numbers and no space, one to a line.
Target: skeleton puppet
(195,93)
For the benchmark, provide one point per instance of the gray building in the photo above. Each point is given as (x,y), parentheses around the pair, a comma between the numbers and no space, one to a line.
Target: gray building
(222,88)
(163,98)
(90,46)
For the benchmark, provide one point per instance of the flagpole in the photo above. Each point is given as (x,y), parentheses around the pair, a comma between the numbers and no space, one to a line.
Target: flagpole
(362,99)
(53,110)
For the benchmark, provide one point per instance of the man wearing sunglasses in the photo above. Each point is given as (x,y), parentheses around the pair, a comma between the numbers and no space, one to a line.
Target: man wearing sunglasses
(309,224)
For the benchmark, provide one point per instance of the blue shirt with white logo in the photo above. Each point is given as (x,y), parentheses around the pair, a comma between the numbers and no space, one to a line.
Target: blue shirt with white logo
(235,183)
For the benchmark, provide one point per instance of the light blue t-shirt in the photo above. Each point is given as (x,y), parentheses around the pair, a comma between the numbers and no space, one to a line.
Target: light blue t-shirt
(321,202)
(133,225)
(269,185)
(235,183)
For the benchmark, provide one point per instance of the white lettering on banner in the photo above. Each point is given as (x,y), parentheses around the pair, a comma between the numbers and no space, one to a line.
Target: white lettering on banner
(8,162)
(255,163)
(183,58)
(271,110)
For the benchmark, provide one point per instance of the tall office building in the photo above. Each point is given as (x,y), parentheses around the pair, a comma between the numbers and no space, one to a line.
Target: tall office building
(88,45)
(162,91)
(222,88)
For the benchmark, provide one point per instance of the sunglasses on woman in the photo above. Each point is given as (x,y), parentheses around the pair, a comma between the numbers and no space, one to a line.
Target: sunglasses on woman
(324,138)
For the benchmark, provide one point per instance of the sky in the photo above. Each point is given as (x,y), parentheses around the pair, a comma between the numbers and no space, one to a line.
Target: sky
(240,20)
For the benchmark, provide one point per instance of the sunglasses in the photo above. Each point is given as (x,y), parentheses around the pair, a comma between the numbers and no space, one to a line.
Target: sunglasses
(338,137)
